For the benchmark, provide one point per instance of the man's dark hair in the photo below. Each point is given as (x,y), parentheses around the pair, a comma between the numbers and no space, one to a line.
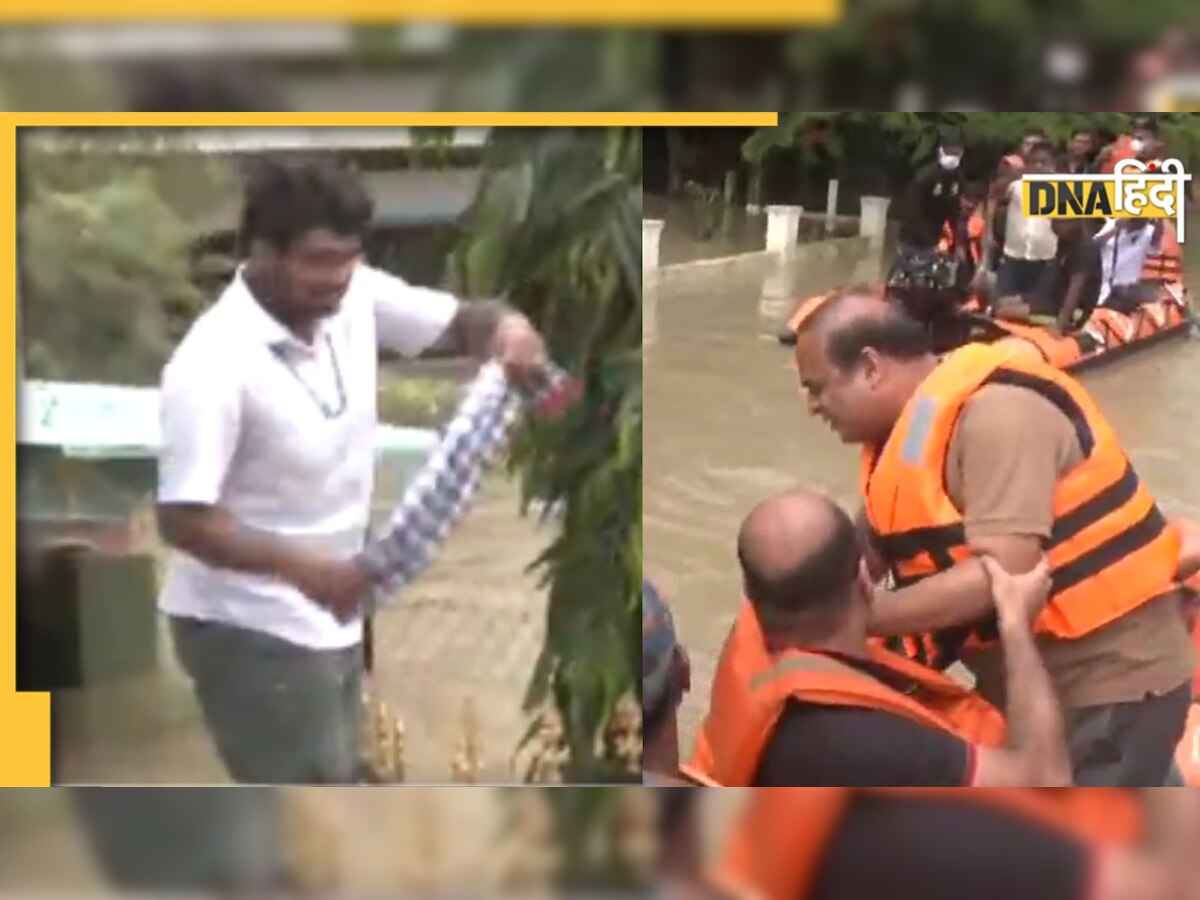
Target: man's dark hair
(819,584)
(1046,149)
(1084,129)
(951,137)
(1146,123)
(1034,131)
(286,199)
(889,330)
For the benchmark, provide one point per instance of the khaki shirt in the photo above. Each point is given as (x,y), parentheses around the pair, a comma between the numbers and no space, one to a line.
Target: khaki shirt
(1008,450)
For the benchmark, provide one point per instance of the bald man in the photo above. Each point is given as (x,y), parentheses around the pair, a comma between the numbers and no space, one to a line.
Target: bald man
(805,579)
(980,454)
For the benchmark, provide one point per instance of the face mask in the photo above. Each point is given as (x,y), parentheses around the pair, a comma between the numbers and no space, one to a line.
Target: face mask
(1137,145)
(948,160)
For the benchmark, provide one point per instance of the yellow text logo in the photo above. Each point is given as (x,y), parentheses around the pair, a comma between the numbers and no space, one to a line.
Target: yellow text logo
(1135,190)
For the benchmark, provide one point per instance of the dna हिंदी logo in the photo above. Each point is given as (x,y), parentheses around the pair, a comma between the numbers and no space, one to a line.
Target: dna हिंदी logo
(1135,190)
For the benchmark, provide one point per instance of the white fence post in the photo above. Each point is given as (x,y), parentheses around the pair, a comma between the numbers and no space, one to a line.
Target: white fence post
(783,228)
(651,235)
(873,223)
(831,202)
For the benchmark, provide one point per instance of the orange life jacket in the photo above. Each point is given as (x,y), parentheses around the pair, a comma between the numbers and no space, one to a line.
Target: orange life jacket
(780,837)
(1165,265)
(805,309)
(948,241)
(752,686)
(1110,551)
(1058,351)
(1122,149)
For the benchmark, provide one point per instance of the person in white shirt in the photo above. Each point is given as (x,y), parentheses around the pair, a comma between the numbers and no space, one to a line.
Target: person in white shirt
(267,462)
(1027,265)
(1124,246)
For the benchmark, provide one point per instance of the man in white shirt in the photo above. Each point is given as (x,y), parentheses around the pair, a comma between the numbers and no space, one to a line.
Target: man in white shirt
(1124,246)
(1027,268)
(266,471)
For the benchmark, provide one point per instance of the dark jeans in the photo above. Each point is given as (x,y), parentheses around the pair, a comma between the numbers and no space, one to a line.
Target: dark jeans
(277,712)
(183,839)
(1033,279)
(1128,744)
(1128,297)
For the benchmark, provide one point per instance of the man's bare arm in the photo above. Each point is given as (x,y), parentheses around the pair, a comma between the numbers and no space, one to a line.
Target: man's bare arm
(1035,754)
(1074,294)
(956,596)
(216,538)
(472,331)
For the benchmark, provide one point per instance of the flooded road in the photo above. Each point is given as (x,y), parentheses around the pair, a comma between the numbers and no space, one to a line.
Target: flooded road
(726,427)
(450,659)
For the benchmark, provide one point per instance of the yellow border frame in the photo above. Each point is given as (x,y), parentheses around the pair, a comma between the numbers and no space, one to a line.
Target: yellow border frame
(25,718)
(615,13)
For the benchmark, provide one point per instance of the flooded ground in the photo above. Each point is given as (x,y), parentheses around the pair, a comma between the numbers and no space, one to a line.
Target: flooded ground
(693,230)
(384,842)
(467,632)
(725,427)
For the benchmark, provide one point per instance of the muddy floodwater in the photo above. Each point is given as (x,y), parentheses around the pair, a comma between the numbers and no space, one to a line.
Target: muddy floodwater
(453,657)
(726,426)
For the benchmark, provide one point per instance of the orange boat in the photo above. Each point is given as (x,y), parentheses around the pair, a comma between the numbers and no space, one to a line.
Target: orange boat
(1107,335)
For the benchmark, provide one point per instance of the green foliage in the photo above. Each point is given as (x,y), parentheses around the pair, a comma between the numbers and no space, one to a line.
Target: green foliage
(106,285)
(897,143)
(555,230)
(548,70)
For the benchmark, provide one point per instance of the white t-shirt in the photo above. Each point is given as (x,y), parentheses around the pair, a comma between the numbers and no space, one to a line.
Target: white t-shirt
(282,435)
(1024,237)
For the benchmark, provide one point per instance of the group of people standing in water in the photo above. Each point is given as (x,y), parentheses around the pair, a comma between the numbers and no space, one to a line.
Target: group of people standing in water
(1009,607)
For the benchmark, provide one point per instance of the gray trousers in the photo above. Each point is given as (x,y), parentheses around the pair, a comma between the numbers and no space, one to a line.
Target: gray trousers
(278,713)
(221,840)
(1128,745)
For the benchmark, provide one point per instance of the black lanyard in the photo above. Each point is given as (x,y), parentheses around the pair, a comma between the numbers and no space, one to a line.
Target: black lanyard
(327,411)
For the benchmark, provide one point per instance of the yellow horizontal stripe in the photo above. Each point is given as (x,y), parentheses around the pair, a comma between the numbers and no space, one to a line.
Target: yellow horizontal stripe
(385,120)
(479,12)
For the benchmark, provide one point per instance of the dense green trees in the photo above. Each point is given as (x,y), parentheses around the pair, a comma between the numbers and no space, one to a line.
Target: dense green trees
(877,153)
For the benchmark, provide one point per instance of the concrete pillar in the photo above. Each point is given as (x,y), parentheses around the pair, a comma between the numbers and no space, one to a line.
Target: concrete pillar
(651,235)
(775,299)
(783,228)
(650,315)
(873,223)
(754,190)
(831,202)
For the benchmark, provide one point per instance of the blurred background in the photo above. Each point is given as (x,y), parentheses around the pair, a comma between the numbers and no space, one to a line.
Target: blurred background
(327,841)
(883,55)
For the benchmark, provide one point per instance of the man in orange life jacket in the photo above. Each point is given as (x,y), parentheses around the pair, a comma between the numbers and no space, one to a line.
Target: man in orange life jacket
(945,844)
(1164,262)
(987,453)
(801,698)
